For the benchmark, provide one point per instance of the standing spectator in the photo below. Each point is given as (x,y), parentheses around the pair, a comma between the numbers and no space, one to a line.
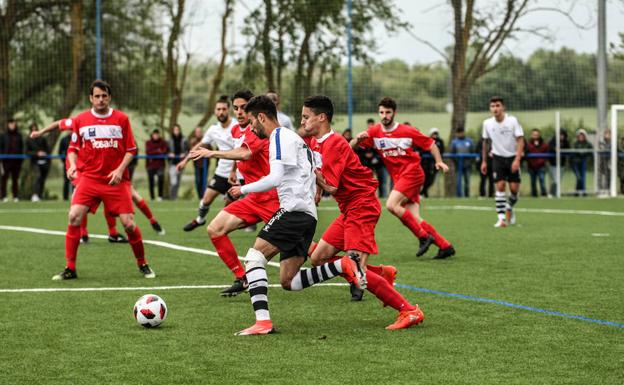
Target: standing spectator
(11,143)
(537,166)
(461,146)
(604,162)
(487,178)
(347,134)
(195,138)
(427,162)
(62,151)
(282,118)
(564,143)
(156,166)
(39,150)
(579,160)
(178,148)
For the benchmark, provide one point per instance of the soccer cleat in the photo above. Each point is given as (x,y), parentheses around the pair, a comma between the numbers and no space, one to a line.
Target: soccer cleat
(259,328)
(65,274)
(356,292)
(117,238)
(500,223)
(511,217)
(352,270)
(84,239)
(192,225)
(157,228)
(424,245)
(389,273)
(147,271)
(445,253)
(407,318)
(240,285)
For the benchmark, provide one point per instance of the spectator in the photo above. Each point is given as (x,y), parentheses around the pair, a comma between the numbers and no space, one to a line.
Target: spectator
(282,118)
(564,144)
(461,146)
(156,166)
(196,137)
(11,143)
(370,158)
(427,163)
(347,134)
(537,166)
(579,160)
(604,162)
(39,150)
(488,177)
(62,151)
(178,148)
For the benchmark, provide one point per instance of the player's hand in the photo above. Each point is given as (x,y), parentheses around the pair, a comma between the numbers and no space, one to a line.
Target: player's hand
(35,134)
(200,153)
(515,165)
(235,192)
(483,168)
(361,136)
(441,166)
(233,179)
(115,177)
(318,195)
(180,166)
(71,173)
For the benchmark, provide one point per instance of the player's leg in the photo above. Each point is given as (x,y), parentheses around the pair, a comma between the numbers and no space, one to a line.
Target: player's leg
(204,205)
(514,187)
(72,240)
(135,239)
(142,205)
(84,232)
(111,223)
(499,173)
(445,248)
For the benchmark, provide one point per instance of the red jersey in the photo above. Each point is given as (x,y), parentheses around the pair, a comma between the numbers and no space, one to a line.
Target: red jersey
(396,146)
(256,167)
(101,142)
(342,169)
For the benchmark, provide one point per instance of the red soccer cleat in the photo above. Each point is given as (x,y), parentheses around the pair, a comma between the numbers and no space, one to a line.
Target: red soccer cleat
(407,319)
(352,272)
(259,328)
(389,273)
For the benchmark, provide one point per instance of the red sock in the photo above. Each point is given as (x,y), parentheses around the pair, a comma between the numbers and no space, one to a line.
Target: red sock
(386,293)
(135,238)
(228,254)
(83,226)
(72,240)
(375,269)
(440,241)
(111,222)
(411,223)
(146,211)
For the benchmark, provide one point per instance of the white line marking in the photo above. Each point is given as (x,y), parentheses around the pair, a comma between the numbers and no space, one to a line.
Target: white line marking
(600,234)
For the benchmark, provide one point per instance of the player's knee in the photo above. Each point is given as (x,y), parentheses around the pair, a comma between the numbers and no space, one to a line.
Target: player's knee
(392,207)
(74,218)
(285,282)
(316,259)
(255,259)
(215,230)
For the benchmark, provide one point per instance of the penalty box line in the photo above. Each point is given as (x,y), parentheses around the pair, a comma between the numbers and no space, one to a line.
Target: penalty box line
(212,253)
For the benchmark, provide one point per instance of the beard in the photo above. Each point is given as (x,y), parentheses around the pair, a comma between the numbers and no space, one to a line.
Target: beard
(222,118)
(387,122)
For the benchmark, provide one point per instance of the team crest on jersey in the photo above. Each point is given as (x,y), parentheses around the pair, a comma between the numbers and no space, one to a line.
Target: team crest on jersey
(115,132)
(74,137)
(382,143)
(91,131)
(68,122)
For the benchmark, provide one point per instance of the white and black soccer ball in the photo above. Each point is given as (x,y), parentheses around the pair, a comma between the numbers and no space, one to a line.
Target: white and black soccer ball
(150,310)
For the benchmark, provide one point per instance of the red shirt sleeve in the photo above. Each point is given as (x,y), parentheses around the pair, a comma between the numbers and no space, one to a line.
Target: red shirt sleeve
(128,135)
(368,142)
(334,164)
(256,144)
(420,140)
(68,124)
(75,143)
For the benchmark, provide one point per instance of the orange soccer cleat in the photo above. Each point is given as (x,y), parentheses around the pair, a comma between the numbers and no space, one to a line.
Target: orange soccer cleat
(407,318)
(389,273)
(352,272)
(259,328)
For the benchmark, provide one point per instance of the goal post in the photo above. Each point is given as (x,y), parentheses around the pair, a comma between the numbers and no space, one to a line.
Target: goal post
(614,148)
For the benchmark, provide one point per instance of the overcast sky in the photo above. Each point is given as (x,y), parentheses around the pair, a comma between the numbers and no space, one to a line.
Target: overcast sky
(431,21)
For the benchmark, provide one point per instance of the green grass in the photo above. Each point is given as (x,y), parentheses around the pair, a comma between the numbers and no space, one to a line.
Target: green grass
(548,261)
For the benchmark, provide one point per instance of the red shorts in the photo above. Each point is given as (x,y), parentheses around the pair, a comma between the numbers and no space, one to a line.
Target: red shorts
(117,199)
(355,230)
(409,183)
(252,211)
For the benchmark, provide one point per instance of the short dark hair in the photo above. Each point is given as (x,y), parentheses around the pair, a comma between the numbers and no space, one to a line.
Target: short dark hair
(243,94)
(460,129)
(497,99)
(155,131)
(388,103)
(11,120)
(370,120)
(101,84)
(223,99)
(261,104)
(320,104)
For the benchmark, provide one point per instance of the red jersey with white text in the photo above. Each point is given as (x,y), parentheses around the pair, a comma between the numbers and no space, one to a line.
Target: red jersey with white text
(342,169)
(256,167)
(396,147)
(101,142)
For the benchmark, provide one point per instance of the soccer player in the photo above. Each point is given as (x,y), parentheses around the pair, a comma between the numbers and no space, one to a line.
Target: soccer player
(219,135)
(291,228)
(354,188)
(507,139)
(395,142)
(252,160)
(101,147)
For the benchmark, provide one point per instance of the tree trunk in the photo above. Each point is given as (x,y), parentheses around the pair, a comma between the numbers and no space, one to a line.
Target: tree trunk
(280,57)
(178,91)
(266,45)
(171,62)
(298,93)
(6,34)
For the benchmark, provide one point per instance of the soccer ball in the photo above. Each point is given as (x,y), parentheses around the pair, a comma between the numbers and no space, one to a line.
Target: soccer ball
(150,310)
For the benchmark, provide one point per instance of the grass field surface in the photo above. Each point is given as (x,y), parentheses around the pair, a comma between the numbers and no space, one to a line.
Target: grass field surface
(486,308)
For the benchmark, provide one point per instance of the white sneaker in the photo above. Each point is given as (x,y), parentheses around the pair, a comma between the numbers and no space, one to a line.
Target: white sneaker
(35,198)
(159,199)
(15,199)
(5,200)
(500,223)
(511,217)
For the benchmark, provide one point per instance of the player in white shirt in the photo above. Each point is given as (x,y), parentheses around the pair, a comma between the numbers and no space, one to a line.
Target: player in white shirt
(291,229)
(218,135)
(507,138)
(282,118)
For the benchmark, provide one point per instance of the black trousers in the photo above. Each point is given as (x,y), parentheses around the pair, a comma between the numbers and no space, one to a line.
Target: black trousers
(38,186)
(11,168)
(158,174)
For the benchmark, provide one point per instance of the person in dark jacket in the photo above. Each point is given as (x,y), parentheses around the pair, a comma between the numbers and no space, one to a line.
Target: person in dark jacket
(156,167)
(11,143)
(62,151)
(564,143)
(488,177)
(537,166)
(579,159)
(462,145)
(39,150)
(427,163)
(178,148)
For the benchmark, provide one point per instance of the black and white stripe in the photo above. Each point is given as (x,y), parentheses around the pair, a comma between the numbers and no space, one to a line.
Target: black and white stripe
(308,277)
(258,291)
(512,200)
(500,200)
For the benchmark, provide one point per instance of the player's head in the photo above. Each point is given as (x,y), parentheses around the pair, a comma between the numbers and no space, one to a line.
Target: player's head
(176,130)
(239,99)
(274,97)
(370,122)
(263,115)
(222,109)
(100,96)
(387,109)
(317,114)
(497,106)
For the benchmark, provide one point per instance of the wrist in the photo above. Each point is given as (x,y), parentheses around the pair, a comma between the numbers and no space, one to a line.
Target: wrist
(243,190)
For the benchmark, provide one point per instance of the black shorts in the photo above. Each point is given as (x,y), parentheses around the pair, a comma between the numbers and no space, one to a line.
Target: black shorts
(291,232)
(501,169)
(220,184)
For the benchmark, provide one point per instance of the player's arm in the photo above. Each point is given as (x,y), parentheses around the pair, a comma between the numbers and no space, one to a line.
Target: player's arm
(484,146)
(180,166)
(53,126)
(515,165)
(267,183)
(71,170)
(439,163)
(240,153)
(321,182)
(359,140)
